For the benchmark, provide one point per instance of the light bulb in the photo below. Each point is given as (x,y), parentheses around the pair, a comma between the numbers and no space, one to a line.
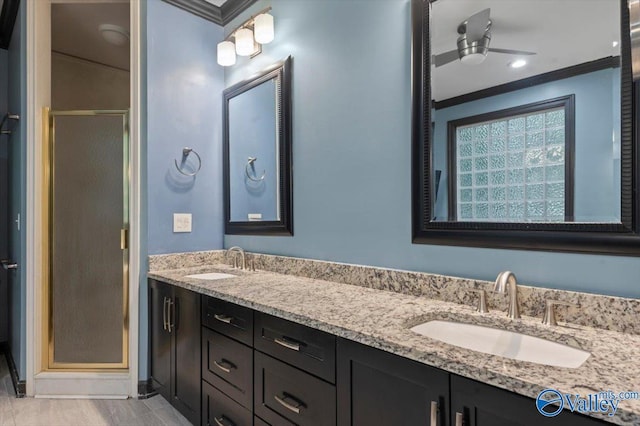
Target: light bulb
(244,42)
(226,53)
(473,59)
(264,28)
(518,63)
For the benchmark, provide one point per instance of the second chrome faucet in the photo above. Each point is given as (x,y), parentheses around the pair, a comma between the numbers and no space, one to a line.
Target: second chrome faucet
(506,283)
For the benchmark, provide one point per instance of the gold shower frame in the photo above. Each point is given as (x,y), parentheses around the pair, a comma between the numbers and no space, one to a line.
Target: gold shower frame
(49,363)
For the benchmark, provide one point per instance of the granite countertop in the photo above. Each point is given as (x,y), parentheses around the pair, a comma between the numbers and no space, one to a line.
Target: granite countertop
(382,319)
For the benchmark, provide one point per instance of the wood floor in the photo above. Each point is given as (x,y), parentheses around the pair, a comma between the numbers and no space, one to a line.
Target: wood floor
(81,412)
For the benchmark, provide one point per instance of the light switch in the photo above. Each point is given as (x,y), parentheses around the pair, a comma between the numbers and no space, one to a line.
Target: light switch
(182,222)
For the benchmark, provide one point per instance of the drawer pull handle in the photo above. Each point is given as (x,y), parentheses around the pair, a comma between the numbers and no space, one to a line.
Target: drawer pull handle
(287,343)
(223,318)
(459,419)
(294,407)
(164,313)
(171,313)
(223,421)
(434,413)
(225,365)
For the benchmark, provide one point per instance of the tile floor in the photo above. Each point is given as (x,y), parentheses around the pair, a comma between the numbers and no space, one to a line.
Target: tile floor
(81,412)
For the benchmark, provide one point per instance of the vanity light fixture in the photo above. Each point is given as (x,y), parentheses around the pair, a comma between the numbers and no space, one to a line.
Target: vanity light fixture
(248,38)
(518,63)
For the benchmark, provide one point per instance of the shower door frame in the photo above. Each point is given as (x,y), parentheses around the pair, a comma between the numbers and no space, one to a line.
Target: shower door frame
(48,201)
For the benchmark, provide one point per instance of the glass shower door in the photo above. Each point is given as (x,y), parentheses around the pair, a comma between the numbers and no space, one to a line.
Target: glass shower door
(88,255)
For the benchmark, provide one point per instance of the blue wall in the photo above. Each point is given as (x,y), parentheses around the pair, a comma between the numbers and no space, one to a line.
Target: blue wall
(184,86)
(183,93)
(352,153)
(597,193)
(18,157)
(252,133)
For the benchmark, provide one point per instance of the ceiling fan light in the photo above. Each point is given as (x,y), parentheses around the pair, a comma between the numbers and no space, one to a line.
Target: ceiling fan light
(473,59)
(518,63)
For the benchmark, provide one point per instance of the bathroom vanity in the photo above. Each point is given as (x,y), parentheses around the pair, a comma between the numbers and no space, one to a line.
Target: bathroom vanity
(280,349)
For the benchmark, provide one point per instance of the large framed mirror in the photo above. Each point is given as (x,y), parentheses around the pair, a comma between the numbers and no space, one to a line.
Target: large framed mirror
(257,154)
(523,125)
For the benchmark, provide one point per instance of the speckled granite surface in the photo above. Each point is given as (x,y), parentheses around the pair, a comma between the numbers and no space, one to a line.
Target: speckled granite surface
(606,312)
(382,319)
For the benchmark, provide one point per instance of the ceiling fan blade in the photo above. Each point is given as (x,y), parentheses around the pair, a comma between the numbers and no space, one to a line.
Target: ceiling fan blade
(477,25)
(511,52)
(445,58)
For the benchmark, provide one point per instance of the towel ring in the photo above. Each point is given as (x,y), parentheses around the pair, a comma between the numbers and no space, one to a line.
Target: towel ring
(250,162)
(185,153)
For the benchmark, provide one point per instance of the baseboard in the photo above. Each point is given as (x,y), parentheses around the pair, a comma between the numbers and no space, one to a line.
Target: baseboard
(19,386)
(145,389)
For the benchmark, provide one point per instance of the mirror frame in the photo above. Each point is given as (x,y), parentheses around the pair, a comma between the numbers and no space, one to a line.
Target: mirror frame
(606,238)
(284,226)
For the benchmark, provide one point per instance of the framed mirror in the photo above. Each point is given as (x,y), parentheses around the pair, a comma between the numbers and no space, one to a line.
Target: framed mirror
(523,125)
(257,154)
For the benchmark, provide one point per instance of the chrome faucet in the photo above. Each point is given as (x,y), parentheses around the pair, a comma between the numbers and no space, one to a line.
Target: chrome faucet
(236,249)
(506,283)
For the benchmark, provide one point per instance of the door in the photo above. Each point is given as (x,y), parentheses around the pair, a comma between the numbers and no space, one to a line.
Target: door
(160,338)
(378,388)
(11,278)
(185,327)
(4,238)
(87,248)
(484,405)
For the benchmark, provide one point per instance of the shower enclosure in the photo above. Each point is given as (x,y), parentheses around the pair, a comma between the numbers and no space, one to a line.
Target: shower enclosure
(87,248)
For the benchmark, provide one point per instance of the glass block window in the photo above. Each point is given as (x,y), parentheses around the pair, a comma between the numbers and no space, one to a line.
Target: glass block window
(512,168)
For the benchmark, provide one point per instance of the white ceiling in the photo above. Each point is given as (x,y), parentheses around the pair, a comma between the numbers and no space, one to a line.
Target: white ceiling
(74,31)
(562,32)
(216,2)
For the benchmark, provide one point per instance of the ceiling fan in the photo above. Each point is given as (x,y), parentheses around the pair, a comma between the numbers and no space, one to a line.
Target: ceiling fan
(473,42)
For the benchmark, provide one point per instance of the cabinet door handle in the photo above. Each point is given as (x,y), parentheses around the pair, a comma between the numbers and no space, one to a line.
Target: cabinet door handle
(223,421)
(297,405)
(459,419)
(223,318)
(224,365)
(170,313)
(434,413)
(294,346)
(164,313)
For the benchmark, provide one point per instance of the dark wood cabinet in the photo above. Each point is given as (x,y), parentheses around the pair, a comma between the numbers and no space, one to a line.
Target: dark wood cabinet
(379,388)
(220,410)
(228,365)
(159,338)
(174,330)
(311,350)
(285,395)
(204,362)
(484,405)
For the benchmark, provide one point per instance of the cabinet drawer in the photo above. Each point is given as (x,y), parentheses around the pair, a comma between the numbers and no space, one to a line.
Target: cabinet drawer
(286,395)
(257,421)
(228,365)
(220,410)
(228,319)
(311,350)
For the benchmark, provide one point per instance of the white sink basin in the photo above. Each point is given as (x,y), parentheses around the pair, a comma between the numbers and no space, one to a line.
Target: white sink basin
(503,343)
(211,276)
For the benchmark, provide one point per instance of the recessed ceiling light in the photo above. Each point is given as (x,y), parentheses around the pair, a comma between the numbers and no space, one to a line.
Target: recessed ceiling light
(615,43)
(518,63)
(114,34)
